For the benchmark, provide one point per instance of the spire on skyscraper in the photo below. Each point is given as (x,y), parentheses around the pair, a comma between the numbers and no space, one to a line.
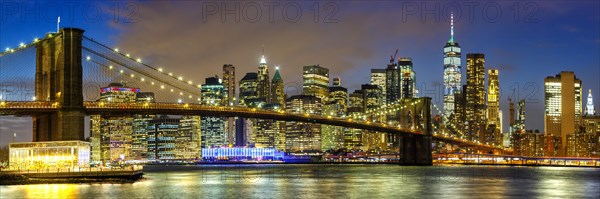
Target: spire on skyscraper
(263,60)
(589,107)
(276,76)
(451,28)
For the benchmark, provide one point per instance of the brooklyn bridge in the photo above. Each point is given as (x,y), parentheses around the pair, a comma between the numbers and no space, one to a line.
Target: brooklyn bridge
(67,68)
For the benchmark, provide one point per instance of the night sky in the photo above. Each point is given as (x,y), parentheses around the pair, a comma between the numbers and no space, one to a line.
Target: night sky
(193,39)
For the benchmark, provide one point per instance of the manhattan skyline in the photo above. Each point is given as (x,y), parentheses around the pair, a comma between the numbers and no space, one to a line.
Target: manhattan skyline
(363,37)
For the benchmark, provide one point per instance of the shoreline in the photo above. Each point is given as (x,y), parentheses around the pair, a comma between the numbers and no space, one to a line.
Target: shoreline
(70,178)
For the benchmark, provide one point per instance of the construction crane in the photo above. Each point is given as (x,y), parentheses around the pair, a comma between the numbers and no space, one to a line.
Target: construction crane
(392,58)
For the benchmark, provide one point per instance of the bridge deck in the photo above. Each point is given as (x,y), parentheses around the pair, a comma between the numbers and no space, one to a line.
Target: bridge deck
(118,109)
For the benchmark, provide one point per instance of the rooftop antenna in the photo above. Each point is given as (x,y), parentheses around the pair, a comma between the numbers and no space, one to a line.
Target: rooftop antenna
(451,26)
(58,24)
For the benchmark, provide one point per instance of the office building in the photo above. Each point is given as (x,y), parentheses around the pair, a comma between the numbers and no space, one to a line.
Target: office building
(230,99)
(563,108)
(111,137)
(277,92)
(378,77)
(494,136)
(316,81)
(452,71)
(302,136)
(333,136)
(213,128)
(249,90)
(392,82)
(264,83)
(589,107)
(408,82)
(475,97)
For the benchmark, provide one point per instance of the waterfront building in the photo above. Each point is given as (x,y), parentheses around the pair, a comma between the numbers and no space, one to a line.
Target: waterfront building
(302,136)
(139,138)
(187,141)
(46,155)
(242,154)
(161,138)
(213,128)
(529,143)
(111,137)
(563,108)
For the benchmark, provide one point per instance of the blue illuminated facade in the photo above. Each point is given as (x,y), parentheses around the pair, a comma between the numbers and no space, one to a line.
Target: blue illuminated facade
(242,153)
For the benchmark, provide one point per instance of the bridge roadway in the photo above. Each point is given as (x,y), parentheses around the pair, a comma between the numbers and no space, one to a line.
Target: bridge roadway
(121,109)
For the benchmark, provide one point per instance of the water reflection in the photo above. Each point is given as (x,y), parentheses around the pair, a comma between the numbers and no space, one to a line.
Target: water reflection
(51,191)
(339,181)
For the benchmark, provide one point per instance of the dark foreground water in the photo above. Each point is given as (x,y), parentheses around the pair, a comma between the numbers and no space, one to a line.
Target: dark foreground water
(335,181)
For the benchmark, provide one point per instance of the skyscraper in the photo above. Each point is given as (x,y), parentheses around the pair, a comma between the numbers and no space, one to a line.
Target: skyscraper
(267,132)
(213,128)
(392,82)
(264,84)
(408,80)
(187,141)
(139,139)
(475,97)
(493,111)
(302,136)
(316,81)
(452,71)
(249,91)
(589,107)
(378,78)
(111,137)
(353,137)
(229,84)
(161,138)
(563,104)
(229,99)
(277,93)
(372,97)
(333,136)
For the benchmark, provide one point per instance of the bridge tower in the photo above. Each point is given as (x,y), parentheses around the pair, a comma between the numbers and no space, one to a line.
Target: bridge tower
(58,79)
(416,149)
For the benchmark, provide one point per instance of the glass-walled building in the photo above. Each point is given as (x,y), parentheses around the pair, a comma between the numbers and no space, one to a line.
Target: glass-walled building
(49,155)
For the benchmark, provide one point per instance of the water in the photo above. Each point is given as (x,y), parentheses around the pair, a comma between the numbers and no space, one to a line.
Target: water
(335,181)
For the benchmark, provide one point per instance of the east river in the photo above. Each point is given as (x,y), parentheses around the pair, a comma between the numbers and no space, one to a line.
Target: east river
(334,181)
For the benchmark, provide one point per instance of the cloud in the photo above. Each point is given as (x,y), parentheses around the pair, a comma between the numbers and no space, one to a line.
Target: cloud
(174,36)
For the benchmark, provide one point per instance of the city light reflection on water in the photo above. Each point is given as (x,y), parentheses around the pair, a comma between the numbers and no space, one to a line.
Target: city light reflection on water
(340,181)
